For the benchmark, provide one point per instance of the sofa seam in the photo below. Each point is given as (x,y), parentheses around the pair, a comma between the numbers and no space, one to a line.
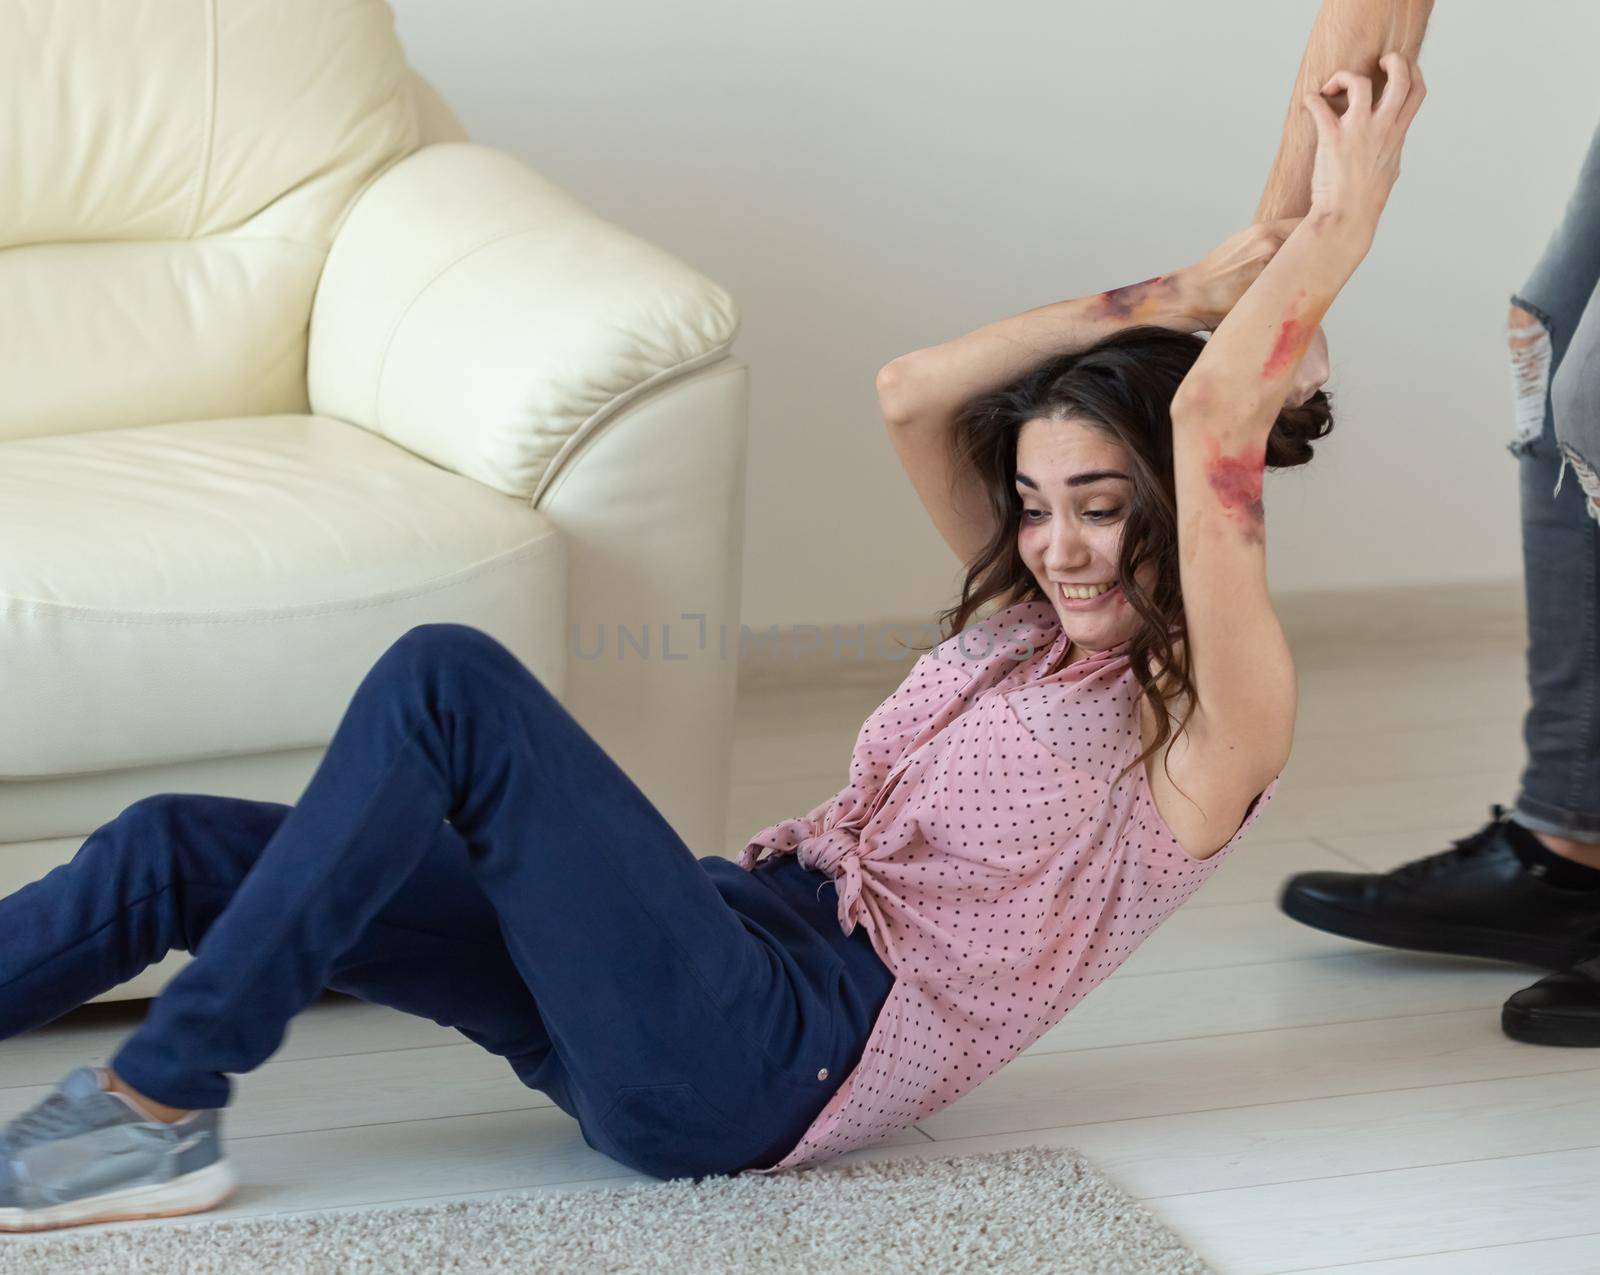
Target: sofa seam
(405,311)
(557,468)
(92,615)
(218,237)
(208,142)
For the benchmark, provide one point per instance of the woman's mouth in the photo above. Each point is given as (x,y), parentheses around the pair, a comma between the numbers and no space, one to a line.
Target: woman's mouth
(1104,596)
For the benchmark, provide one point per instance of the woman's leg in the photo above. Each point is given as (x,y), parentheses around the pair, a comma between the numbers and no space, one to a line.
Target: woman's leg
(689,1043)
(157,876)
(1555,342)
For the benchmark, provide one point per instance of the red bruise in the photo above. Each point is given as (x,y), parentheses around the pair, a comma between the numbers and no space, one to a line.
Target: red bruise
(1237,482)
(1292,340)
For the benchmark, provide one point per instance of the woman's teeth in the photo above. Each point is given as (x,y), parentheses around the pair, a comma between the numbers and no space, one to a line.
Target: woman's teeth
(1085,590)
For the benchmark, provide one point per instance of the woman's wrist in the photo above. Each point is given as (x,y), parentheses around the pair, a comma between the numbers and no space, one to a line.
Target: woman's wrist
(1344,236)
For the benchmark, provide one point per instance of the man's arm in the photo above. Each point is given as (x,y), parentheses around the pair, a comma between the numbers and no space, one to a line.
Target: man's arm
(1348,35)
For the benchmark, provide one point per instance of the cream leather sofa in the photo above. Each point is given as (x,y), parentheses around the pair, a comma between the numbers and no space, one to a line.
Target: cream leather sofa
(287,367)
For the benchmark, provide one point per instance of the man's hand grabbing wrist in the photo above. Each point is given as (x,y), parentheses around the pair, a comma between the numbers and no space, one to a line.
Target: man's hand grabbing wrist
(1194,305)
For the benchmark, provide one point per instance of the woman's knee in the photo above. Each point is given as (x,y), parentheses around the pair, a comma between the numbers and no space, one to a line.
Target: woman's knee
(155,822)
(205,839)
(196,848)
(447,640)
(426,650)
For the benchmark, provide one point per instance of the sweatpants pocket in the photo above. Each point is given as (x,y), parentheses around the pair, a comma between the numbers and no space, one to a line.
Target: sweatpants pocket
(672,1131)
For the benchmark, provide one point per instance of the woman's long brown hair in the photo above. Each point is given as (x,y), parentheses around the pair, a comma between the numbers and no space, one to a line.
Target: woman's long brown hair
(1124,386)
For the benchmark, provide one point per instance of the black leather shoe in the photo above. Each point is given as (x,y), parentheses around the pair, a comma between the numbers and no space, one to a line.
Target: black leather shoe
(1475,899)
(1560,1009)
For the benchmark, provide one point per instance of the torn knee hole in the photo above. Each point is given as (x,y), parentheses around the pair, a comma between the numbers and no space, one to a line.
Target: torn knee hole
(1587,479)
(1521,322)
(1529,341)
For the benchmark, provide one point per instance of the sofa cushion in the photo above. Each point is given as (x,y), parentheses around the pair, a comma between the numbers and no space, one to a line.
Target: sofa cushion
(172,176)
(188,590)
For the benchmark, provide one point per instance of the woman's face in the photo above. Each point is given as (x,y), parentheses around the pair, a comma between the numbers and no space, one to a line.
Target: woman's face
(1075,485)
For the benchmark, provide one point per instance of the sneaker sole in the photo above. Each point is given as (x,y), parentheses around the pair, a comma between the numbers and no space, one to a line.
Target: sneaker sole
(1412,936)
(192,1193)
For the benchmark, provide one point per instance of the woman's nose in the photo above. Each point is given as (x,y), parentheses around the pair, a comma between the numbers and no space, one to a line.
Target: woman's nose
(1066,550)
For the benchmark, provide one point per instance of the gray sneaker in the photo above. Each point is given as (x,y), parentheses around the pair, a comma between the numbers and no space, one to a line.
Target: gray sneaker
(85,1154)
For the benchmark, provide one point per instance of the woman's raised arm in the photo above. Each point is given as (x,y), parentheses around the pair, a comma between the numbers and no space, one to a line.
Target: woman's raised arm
(1225,409)
(920,394)
(933,384)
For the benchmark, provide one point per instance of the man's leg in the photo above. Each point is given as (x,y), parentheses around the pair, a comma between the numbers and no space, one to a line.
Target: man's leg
(1525,887)
(1553,334)
(1575,413)
(1559,797)
(1575,402)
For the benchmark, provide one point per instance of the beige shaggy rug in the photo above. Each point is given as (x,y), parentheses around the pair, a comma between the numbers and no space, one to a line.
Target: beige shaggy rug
(1031,1209)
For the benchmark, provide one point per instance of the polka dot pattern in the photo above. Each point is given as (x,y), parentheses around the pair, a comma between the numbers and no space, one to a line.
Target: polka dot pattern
(999,871)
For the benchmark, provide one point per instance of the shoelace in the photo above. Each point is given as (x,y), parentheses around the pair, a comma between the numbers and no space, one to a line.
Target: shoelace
(1462,849)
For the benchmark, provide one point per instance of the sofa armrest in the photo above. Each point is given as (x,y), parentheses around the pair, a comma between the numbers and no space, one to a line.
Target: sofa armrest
(478,315)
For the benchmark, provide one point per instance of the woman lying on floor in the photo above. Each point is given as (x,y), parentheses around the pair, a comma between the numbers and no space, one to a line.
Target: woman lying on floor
(1021,812)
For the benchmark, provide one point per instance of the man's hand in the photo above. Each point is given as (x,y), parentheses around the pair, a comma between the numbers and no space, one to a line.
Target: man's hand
(1213,285)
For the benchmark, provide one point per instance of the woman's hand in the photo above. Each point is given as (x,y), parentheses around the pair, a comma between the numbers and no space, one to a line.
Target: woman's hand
(1358,153)
(1212,286)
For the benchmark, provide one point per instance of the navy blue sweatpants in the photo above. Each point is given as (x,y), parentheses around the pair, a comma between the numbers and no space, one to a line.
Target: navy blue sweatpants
(466,852)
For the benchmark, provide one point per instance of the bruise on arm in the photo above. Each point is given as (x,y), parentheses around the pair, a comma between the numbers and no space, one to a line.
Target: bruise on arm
(1236,480)
(1295,330)
(1236,477)
(1137,301)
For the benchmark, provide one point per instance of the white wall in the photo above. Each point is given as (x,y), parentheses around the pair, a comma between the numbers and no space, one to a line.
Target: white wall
(867,179)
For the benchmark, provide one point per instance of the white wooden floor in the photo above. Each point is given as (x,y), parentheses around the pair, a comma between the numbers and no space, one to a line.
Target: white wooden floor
(1286,1100)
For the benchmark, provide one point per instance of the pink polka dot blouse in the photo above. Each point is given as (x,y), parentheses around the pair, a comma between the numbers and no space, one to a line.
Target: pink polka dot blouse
(1000,872)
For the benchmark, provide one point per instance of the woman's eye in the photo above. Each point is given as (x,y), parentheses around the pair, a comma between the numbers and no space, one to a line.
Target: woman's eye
(1098,515)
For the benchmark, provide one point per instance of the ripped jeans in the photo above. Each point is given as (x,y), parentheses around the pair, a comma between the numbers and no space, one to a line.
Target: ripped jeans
(1554,335)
